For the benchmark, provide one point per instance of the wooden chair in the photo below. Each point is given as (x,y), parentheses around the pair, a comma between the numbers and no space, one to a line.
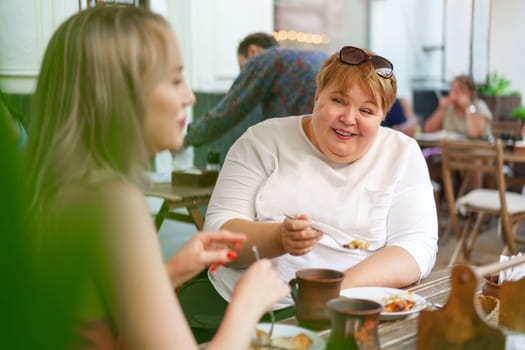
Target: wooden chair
(509,130)
(466,157)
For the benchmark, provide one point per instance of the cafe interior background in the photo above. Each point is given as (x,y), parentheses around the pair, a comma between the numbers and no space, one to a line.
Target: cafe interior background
(429,42)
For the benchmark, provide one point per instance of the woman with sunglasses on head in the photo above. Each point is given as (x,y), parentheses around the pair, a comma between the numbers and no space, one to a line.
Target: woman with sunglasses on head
(110,94)
(335,171)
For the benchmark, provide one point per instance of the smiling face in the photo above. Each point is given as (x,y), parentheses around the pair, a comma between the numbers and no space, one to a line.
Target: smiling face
(343,125)
(166,104)
(350,103)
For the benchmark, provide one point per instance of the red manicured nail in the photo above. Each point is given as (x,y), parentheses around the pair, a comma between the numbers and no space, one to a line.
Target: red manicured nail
(216,266)
(232,254)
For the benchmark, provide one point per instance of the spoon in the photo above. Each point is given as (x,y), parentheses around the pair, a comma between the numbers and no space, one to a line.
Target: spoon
(272,316)
(355,244)
(436,305)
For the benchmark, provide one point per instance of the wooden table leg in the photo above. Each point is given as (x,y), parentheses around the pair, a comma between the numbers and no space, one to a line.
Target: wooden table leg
(159,218)
(196,216)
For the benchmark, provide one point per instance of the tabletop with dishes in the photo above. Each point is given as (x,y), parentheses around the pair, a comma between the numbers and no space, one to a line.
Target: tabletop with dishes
(390,322)
(451,308)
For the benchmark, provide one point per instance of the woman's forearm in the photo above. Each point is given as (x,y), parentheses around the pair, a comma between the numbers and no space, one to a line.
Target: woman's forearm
(390,267)
(266,236)
(435,121)
(475,125)
(174,276)
(236,328)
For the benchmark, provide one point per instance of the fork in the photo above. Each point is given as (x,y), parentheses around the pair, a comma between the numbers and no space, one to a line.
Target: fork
(272,316)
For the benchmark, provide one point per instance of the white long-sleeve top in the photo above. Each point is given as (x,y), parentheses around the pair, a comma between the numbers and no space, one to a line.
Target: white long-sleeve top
(384,198)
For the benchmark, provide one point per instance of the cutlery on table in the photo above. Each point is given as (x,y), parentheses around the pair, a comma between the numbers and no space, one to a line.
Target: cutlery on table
(436,305)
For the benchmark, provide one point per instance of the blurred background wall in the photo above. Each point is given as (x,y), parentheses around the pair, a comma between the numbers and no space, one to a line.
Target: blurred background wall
(429,42)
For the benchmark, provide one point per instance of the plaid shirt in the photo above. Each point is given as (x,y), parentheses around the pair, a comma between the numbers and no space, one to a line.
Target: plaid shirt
(281,80)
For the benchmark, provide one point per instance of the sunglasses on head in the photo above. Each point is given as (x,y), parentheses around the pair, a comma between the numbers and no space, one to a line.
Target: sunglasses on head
(354,56)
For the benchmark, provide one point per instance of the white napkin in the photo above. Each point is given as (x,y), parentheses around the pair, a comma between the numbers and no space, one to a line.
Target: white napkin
(512,273)
(514,340)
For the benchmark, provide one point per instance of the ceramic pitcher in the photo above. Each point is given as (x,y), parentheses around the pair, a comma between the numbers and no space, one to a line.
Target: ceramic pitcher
(354,324)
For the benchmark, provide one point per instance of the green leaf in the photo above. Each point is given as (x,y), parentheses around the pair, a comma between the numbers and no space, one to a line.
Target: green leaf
(519,112)
(495,85)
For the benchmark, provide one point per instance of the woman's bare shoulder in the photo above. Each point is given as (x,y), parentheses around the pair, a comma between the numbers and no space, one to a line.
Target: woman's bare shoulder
(112,199)
(103,192)
(113,213)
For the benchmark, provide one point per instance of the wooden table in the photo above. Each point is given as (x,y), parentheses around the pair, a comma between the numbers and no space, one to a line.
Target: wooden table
(423,143)
(508,156)
(180,197)
(401,333)
(511,159)
(458,325)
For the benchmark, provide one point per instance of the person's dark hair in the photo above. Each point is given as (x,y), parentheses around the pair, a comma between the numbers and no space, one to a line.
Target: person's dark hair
(263,40)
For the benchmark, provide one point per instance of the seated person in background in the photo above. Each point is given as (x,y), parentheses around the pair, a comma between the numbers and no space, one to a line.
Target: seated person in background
(401,117)
(100,277)
(337,171)
(281,80)
(16,132)
(461,111)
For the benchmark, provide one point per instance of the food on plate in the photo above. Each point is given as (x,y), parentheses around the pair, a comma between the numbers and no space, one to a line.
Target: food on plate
(357,244)
(300,341)
(398,303)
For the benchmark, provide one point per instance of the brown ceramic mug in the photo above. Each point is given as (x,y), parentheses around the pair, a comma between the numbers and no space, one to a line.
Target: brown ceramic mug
(354,324)
(491,286)
(311,289)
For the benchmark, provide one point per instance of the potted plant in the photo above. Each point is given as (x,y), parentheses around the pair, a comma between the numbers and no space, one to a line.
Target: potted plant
(519,112)
(519,144)
(499,96)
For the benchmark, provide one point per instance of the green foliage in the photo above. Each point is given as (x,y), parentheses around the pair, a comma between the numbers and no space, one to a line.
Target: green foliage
(519,112)
(496,85)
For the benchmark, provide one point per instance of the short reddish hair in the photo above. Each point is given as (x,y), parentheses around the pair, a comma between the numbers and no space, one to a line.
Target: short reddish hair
(364,75)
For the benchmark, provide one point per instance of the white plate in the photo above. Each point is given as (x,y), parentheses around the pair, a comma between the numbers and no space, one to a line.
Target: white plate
(379,294)
(286,330)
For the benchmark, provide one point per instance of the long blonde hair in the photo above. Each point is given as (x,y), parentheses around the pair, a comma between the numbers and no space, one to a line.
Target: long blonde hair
(88,107)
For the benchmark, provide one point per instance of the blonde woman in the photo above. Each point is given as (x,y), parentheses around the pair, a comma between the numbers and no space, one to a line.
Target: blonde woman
(110,94)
